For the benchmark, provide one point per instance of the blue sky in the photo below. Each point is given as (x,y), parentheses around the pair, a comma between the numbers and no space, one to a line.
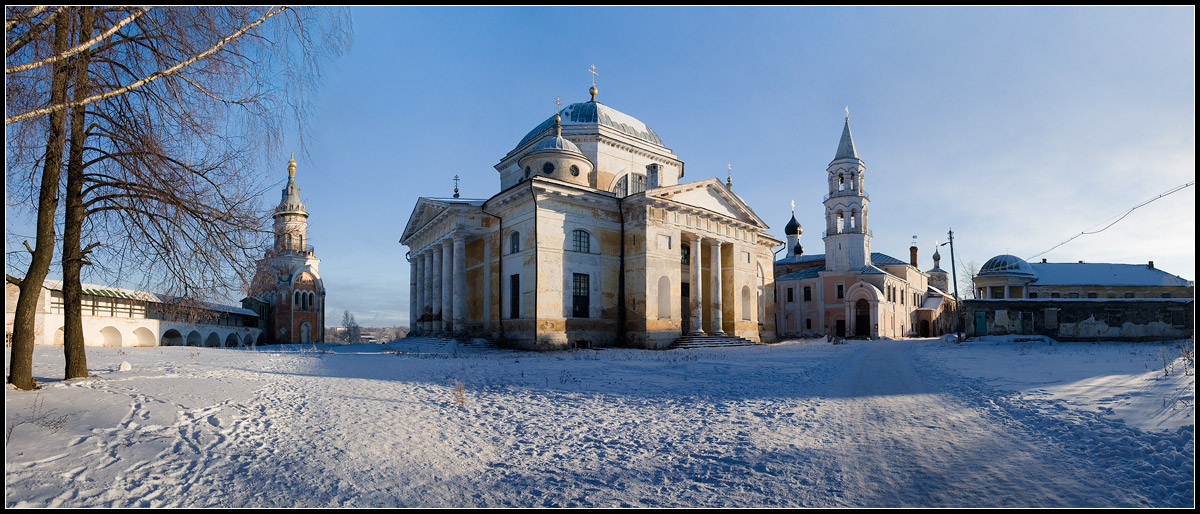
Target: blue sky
(1016,127)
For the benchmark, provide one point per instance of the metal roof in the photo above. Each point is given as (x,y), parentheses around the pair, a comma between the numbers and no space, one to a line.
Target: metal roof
(596,113)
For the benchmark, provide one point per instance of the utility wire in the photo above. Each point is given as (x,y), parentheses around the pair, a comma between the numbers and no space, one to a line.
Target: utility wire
(1122,216)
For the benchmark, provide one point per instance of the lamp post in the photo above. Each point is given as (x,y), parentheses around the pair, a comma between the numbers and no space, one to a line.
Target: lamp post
(957,301)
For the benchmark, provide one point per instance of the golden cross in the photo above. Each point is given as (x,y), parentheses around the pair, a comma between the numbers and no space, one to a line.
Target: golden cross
(556,104)
(847,113)
(793,207)
(593,70)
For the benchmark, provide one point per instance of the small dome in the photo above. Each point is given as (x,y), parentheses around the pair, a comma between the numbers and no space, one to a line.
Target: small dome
(555,143)
(792,228)
(798,250)
(1006,265)
(936,256)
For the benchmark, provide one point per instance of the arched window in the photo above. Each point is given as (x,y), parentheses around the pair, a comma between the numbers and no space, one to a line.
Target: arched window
(312,300)
(514,242)
(296,299)
(837,229)
(853,218)
(841,182)
(527,171)
(852,181)
(622,187)
(581,241)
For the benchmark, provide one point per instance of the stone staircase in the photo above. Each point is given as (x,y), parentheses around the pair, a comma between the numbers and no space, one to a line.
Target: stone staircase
(447,343)
(708,341)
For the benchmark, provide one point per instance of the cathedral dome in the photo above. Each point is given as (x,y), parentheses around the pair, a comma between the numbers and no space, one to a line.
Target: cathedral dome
(555,143)
(596,113)
(1006,265)
(792,228)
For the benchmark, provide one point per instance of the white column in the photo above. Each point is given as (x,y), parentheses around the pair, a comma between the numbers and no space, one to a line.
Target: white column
(422,289)
(460,283)
(412,293)
(435,285)
(447,285)
(696,292)
(715,280)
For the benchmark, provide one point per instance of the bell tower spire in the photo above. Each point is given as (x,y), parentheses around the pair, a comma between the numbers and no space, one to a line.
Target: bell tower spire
(847,238)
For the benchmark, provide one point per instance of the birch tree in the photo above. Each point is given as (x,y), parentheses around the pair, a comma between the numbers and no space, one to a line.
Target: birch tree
(175,109)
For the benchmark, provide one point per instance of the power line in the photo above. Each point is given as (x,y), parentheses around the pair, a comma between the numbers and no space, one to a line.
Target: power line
(1121,217)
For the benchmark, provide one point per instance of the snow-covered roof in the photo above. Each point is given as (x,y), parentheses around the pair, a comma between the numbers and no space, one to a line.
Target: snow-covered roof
(145,296)
(802,274)
(1102,274)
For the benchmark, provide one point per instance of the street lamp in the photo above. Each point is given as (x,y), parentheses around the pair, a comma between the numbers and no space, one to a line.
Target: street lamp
(957,301)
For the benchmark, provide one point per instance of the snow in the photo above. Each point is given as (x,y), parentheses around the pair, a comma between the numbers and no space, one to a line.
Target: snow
(992,422)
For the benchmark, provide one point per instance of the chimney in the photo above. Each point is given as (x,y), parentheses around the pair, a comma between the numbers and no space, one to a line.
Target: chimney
(652,176)
(912,256)
(1043,260)
(1151,265)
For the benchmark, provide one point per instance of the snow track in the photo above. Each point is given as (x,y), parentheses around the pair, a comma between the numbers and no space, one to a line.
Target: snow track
(864,424)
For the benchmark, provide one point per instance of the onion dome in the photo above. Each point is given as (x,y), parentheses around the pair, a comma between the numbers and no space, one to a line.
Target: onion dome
(792,228)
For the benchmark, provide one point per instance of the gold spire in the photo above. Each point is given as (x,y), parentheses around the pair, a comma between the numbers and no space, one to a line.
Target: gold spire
(593,89)
(292,166)
(557,118)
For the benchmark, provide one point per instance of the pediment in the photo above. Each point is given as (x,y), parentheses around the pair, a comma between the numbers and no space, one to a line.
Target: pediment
(424,212)
(710,195)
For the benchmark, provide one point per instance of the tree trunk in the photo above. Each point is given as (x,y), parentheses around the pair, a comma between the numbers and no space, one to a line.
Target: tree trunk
(24,322)
(73,256)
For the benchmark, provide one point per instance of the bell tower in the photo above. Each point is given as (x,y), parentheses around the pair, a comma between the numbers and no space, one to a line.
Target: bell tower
(847,238)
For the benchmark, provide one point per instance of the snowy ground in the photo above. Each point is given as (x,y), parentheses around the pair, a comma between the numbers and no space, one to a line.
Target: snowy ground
(988,423)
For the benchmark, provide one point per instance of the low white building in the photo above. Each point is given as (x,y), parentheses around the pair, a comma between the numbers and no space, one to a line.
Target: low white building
(123,317)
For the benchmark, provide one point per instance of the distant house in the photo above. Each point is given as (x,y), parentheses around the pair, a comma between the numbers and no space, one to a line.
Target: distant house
(124,317)
(1083,300)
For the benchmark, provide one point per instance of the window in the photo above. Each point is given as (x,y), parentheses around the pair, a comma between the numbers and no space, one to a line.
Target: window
(808,324)
(515,242)
(1091,295)
(807,294)
(685,252)
(622,187)
(514,296)
(1166,295)
(581,241)
(789,295)
(839,291)
(1033,295)
(1074,295)
(548,168)
(579,295)
(638,185)
(1128,295)
(574,170)
(1055,295)
(527,171)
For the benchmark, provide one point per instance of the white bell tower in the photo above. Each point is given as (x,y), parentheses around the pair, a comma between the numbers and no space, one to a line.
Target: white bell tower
(847,238)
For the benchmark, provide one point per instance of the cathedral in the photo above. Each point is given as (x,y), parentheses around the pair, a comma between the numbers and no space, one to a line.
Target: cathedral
(850,291)
(593,240)
(287,292)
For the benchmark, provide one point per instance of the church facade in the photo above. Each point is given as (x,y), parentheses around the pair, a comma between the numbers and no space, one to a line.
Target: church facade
(288,293)
(850,291)
(593,240)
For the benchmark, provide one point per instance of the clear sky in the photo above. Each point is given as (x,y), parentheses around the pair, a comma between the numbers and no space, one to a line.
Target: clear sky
(1018,127)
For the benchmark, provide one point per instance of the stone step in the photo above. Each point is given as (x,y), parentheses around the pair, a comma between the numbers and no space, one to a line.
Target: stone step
(710,342)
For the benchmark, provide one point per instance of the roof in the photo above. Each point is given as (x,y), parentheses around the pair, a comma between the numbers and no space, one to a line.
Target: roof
(802,274)
(133,294)
(596,113)
(877,259)
(1102,274)
(1004,266)
(846,144)
(555,143)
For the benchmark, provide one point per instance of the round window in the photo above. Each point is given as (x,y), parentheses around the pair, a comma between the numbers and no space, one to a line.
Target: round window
(527,171)
(574,171)
(548,168)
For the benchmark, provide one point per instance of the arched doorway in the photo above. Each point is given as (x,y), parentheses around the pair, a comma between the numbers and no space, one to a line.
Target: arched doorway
(305,332)
(194,339)
(862,318)
(172,338)
(924,328)
(231,340)
(144,336)
(111,336)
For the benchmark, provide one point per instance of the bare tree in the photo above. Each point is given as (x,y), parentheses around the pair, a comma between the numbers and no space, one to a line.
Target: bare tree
(966,279)
(178,105)
(353,332)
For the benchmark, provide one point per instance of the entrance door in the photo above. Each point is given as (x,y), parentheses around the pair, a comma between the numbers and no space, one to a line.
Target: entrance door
(924,328)
(862,318)
(981,323)
(841,328)
(685,299)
